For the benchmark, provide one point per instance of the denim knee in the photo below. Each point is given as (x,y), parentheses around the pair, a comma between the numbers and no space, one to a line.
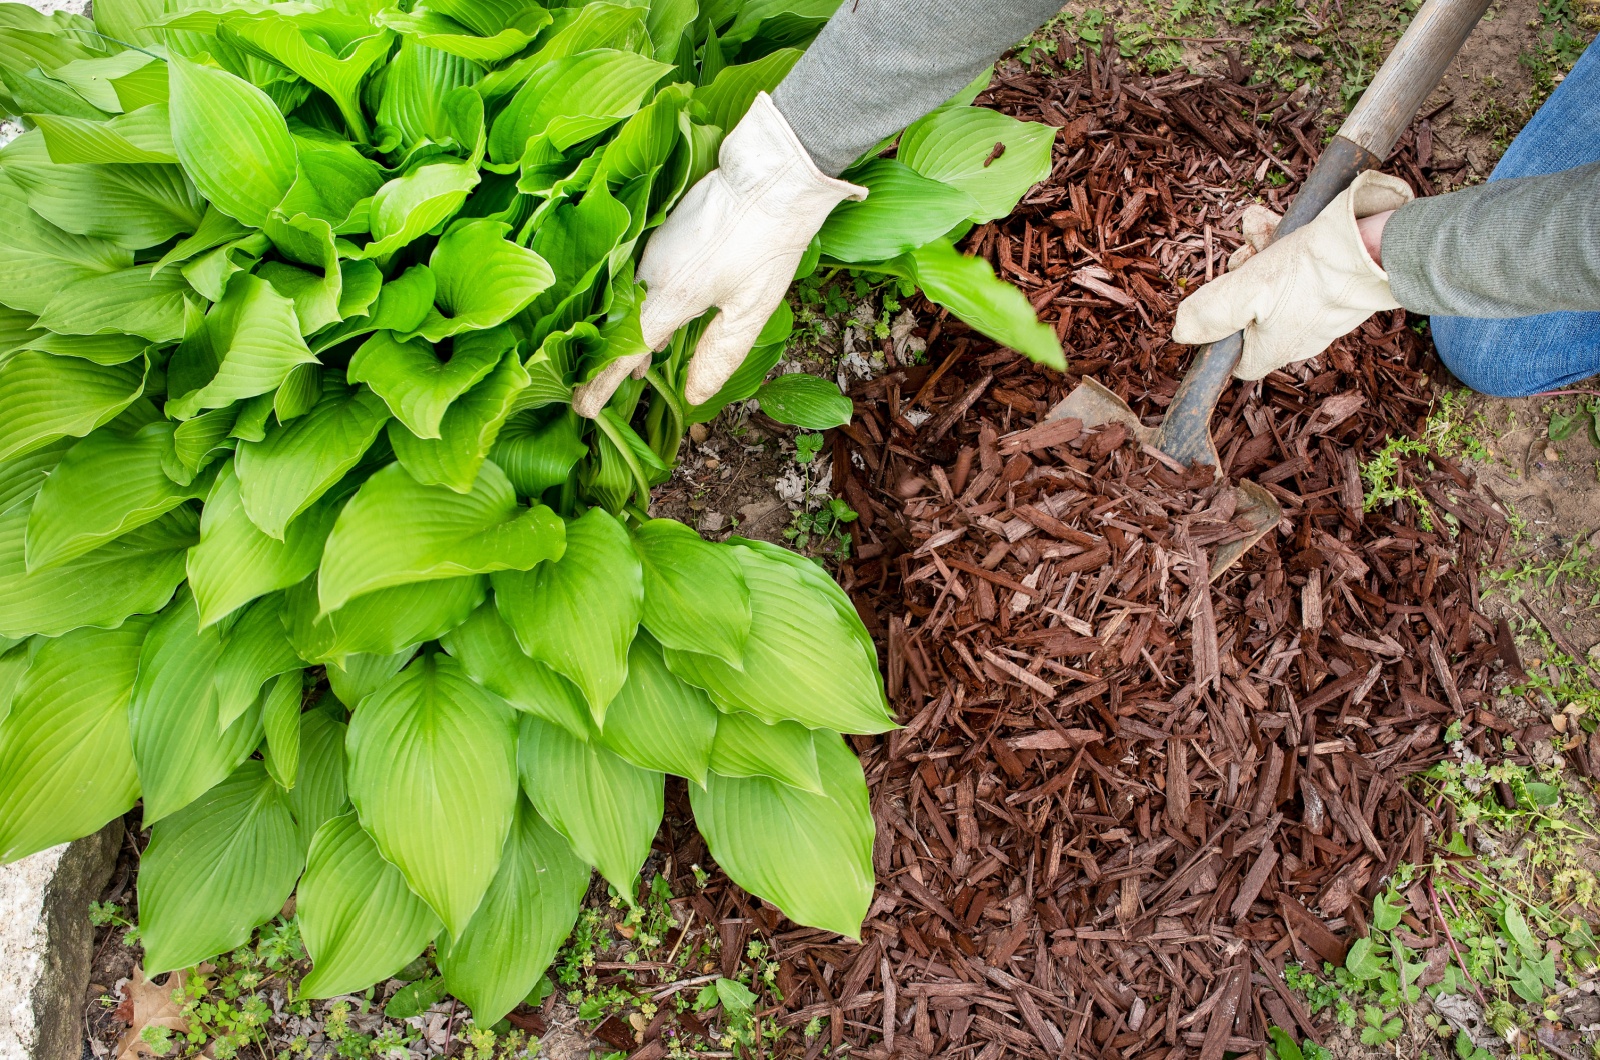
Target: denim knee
(1519,356)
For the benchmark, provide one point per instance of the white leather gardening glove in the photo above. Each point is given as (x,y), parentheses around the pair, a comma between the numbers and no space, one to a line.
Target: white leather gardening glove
(1296,296)
(733,242)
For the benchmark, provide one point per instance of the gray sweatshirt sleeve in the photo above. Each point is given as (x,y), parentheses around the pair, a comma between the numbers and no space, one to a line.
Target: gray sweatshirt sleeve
(1508,248)
(879,65)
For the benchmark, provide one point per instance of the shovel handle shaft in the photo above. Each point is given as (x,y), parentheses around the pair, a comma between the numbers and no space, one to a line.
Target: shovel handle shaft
(1406,78)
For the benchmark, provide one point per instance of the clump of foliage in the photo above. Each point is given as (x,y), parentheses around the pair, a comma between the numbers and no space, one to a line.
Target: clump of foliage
(300,540)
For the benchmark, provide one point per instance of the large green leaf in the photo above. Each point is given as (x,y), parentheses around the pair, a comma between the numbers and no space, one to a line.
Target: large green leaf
(488,651)
(608,810)
(734,88)
(130,300)
(141,136)
(232,140)
(466,433)
(525,915)
(255,648)
(579,613)
(235,562)
(446,35)
(957,145)
(132,206)
(66,760)
(319,794)
(38,260)
(537,453)
(810,855)
(416,385)
(106,485)
(280,722)
(806,660)
(382,622)
(296,463)
(133,575)
(410,205)
(216,869)
(573,98)
(248,346)
(805,400)
(360,922)
(695,597)
(415,84)
(356,677)
(968,287)
(395,531)
(43,398)
(433,774)
(483,279)
(903,210)
(746,746)
(279,39)
(657,721)
(173,713)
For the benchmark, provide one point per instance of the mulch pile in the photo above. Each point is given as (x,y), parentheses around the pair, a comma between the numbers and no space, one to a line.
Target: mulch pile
(1125,796)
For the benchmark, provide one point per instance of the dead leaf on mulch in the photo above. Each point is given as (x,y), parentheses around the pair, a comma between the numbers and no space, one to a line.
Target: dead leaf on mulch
(146,1003)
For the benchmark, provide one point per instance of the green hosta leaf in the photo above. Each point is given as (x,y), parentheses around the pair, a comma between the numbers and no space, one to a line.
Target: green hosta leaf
(382,622)
(132,206)
(43,398)
(318,794)
(232,140)
(106,485)
(807,660)
(805,401)
(395,531)
(488,651)
(404,301)
(13,664)
(129,301)
(142,136)
(579,613)
(483,279)
(957,145)
(92,78)
(746,746)
(603,84)
(410,205)
(174,714)
(415,384)
(608,810)
(216,869)
(66,761)
(278,38)
(415,84)
(38,260)
(296,463)
(101,349)
(466,433)
(903,210)
(358,676)
(135,574)
(235,562)
(280,721)
(657,721)
(810,855)
(248,346)
(255,649)
(445,34)
(695,598)
(22,477)
(360,922)
(526,914)
(968,287)
(734,88)
(536,456)
(433,774)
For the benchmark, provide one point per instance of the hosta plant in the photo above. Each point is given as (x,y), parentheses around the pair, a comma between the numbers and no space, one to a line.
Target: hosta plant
(300,540)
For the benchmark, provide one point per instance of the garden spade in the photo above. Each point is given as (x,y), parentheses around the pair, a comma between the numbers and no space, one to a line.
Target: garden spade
(1406,78)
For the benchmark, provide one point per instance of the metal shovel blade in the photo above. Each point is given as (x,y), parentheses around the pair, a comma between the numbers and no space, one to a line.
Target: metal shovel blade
(1255,509)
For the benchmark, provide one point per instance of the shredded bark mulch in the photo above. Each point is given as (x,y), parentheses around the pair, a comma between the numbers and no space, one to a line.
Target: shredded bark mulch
(1124,796)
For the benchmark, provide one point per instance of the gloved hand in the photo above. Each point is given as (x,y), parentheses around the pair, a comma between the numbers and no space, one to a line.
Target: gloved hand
(733,242)
(1293,298)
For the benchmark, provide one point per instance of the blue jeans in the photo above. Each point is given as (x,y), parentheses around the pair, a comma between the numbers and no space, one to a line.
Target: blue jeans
(1518,356)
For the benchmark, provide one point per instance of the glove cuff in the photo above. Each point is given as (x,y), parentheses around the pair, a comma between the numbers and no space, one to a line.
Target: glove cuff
(1339,242)
(763,149)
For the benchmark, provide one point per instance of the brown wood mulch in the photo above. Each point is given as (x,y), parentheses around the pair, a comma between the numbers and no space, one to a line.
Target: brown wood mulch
(1124,797)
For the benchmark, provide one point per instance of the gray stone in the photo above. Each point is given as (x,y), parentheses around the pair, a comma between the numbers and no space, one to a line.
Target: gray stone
(47,944)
